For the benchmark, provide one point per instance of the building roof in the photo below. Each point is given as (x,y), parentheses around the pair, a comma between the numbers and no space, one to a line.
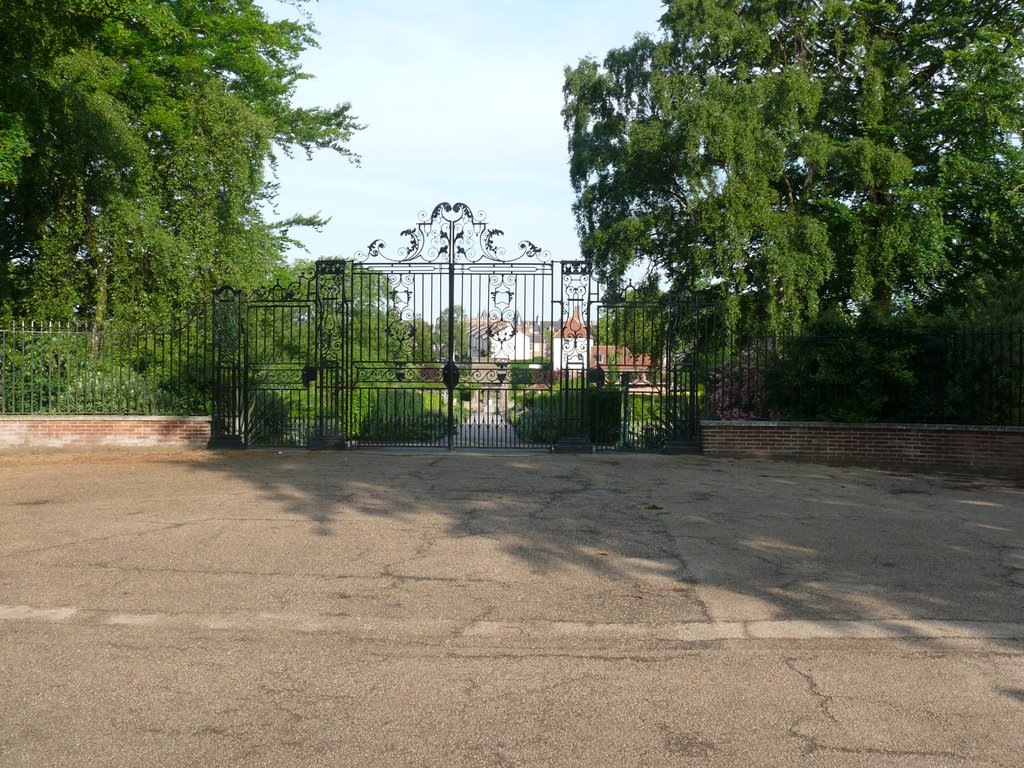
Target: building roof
(573,328)
(621,357)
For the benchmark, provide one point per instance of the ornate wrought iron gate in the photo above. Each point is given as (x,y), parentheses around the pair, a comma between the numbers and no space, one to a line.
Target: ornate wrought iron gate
(276,358)
(453,342)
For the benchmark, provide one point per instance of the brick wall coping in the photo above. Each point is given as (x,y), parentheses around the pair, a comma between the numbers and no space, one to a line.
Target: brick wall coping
(78,431)
(986,450)
(60,417)
(861,425)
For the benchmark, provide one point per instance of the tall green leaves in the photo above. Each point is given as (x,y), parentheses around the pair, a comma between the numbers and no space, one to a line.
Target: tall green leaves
(135,138)
(797,155)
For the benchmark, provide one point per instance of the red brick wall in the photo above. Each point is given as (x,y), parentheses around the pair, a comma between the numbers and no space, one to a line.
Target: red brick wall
(103,431)
(997,451)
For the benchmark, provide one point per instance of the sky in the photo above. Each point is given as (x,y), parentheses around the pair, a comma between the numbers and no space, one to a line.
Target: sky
(462,102)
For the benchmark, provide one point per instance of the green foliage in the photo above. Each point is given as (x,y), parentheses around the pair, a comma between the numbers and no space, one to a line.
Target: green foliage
(538,419)
(792,157)
(993,299)
(112,391)
(520,375)
(897,369)
(403,415)
(120,371)
(637,321)
(456,317)
(134,142)
(615,417)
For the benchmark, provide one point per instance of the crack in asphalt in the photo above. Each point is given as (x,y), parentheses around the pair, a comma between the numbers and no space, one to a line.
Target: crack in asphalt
(824,702)
(93,539)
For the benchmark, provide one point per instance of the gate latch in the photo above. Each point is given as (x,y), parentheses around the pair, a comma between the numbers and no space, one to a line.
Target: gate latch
(308,375)
(450,375)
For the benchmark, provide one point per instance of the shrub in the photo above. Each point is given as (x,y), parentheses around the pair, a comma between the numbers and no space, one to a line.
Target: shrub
(403,415)
(541,419)
(736,388)
(877,368)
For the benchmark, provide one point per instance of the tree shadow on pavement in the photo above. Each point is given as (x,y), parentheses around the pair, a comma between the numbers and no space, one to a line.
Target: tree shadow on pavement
(699,539)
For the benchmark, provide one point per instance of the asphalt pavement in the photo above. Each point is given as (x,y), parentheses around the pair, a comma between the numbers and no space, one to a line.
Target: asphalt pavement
(400,608)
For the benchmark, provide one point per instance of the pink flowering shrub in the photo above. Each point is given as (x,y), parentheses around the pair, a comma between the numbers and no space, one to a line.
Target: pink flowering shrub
(736,389)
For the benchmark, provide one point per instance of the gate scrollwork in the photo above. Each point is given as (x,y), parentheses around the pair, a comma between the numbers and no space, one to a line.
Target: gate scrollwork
(453,340)
(453,233)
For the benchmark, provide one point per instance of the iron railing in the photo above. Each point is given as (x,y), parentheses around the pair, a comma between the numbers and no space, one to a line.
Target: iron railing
(78,369)
(965,375)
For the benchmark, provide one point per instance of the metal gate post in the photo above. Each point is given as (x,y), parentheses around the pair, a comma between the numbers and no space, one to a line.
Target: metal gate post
(227,428)
(450,375)
(328,335)
(574,340)
(680,358)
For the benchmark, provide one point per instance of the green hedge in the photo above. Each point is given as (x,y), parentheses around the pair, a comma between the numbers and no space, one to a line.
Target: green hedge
(871,368)
(897,370)
(401,415)
(76,370)
(541,418)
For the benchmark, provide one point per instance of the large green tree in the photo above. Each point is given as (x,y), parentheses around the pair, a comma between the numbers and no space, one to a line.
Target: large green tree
(136,137)
(801,154)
